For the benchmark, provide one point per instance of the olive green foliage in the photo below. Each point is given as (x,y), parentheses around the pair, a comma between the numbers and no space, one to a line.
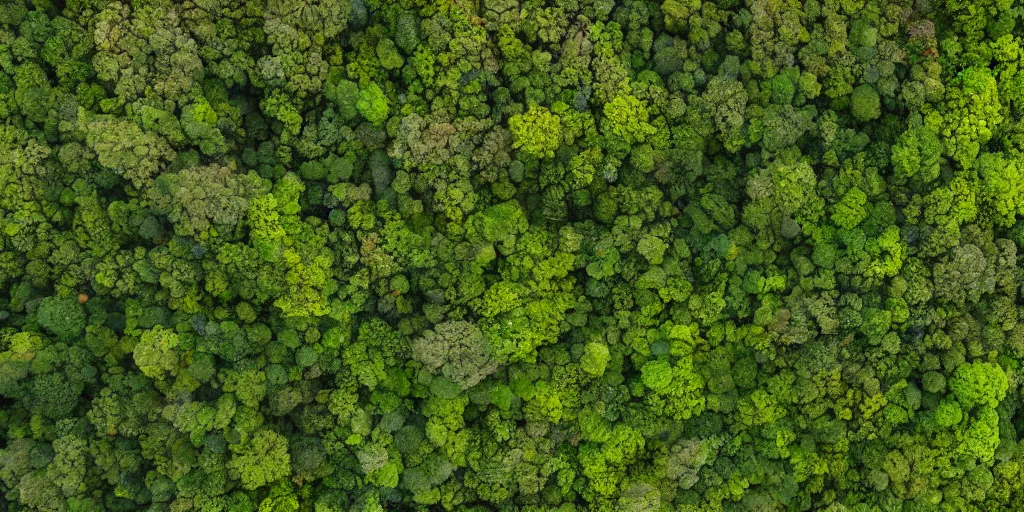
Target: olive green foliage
(456,349)
(61,316)
(865,103)
(511,256)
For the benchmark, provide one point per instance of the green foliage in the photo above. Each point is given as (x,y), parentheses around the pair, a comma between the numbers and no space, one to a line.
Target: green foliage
(850,211)
(262,460)
(1002,187)
(865,104)
(917,152)
(334,255)
(595,359)
(538,132)
(973,112)
(199,123)
(63,317)
(978,383)
(54,395)
(502,222)
(372,104)
(626,117)
(782,191)
(155,353)
(657,375)
(344,94)
(457,350)
(678,13)
(123,148)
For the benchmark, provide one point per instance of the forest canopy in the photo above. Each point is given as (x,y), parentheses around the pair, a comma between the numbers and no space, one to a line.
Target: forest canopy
(511,255)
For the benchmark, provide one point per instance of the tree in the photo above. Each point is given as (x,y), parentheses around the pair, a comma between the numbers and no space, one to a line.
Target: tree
(979,384)
(678,13)
(972,114)
(865,104)
(595,359)
(199,123)
(917,152)
(344,94)
(981,437)
(25,207)
(261,460)
(850,211)
(782,126)
(332,255)
(1001,186)
(726,100)
(206,201)
(372,104)
(676,389)
(55,396)
(626,117)
(538,132)
(63,317)
(501,223)
(145,48)
(155,353)
(964,276)
(457,350)
(781,191)
(125,149)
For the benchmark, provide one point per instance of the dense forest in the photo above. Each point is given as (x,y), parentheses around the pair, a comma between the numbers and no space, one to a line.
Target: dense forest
(511,255)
